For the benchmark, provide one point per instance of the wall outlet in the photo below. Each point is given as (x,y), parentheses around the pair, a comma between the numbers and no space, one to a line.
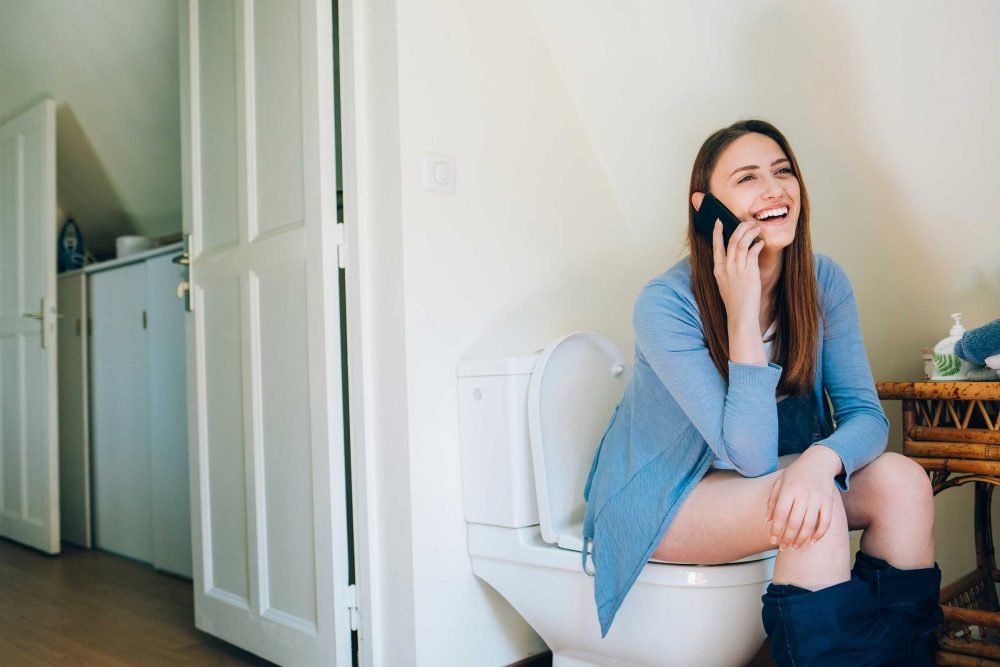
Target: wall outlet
(439,173)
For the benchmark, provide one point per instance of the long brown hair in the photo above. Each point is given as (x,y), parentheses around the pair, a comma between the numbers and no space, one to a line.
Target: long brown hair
(796,294)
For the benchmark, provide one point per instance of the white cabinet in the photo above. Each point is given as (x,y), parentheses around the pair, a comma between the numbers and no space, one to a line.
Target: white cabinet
(138,413)
(168,441)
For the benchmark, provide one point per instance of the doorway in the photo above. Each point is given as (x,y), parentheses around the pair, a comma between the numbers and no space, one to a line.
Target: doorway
(266,393)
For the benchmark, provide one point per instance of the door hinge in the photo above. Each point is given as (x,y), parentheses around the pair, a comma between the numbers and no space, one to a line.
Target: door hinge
(352,606)
(341,247)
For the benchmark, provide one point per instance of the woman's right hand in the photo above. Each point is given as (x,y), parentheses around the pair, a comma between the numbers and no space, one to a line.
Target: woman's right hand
(738,273)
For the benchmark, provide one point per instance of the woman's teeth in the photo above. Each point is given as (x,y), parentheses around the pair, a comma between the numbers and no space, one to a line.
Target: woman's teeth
(772,213)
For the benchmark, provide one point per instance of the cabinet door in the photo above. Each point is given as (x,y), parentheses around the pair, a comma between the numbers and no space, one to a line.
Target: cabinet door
(74,438)
(120,413)
(168,417)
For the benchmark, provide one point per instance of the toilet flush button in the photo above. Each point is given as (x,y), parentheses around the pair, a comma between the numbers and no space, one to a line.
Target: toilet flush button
(439,173)
(477,393)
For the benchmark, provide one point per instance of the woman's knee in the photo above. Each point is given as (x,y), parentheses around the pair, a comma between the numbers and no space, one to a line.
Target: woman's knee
(893,486)
(838,520)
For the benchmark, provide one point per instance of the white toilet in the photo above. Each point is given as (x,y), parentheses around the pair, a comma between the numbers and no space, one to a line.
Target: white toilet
(529,428)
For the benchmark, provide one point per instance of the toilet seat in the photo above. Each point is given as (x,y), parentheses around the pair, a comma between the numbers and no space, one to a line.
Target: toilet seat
(575,385)
(572,540)
(524,547)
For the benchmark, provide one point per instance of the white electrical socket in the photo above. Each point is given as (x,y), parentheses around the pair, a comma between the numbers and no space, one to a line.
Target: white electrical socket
(439,173)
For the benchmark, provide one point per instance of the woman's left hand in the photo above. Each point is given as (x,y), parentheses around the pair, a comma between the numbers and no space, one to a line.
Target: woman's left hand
(801,501)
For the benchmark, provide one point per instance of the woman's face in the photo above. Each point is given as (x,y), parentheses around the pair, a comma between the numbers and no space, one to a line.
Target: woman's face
(754,179)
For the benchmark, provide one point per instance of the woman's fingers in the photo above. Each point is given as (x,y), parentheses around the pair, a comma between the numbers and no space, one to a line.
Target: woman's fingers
(809,523)
(718,253)
(738,237)
(825,514)
(794,525)
(781,517)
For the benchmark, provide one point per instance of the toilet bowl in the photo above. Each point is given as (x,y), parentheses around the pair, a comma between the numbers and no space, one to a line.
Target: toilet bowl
(529,426)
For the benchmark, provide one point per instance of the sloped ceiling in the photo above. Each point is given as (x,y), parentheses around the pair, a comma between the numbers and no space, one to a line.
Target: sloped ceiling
(112,67)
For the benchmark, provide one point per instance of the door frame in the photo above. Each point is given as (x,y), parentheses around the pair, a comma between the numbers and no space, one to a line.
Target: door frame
(376,338)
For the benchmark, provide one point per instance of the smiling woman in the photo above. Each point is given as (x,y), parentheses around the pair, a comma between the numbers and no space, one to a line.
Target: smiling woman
(729,167)
(738,348)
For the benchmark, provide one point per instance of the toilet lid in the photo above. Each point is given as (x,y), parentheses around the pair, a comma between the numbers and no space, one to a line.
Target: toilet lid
(575,385)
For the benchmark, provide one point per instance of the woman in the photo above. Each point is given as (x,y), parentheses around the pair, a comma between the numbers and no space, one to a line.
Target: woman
(736,349)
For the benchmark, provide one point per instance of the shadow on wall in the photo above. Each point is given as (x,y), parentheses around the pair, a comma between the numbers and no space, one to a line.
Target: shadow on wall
(870,220)
(85,191)
(864,211)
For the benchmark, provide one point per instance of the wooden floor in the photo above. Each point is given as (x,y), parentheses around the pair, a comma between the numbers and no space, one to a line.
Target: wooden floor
(92,608)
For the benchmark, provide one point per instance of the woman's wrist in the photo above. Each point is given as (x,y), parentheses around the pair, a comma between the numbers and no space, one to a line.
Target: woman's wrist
(826,457)
(745,344)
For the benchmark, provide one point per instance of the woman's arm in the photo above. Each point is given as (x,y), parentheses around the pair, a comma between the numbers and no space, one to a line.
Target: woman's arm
(739,421)
(862,429)
(799,507)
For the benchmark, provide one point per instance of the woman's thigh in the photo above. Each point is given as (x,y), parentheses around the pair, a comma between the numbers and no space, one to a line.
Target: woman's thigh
(722,520)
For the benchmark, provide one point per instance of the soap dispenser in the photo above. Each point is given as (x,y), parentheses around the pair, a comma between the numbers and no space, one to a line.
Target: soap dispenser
(947,364)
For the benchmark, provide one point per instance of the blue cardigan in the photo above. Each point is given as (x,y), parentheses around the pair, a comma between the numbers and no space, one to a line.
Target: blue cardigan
(678,413)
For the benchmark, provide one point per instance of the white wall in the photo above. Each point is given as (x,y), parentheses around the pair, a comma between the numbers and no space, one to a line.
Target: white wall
(112,67)
(574,126)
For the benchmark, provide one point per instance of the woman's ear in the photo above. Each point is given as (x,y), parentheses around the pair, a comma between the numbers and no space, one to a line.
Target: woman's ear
(696,199)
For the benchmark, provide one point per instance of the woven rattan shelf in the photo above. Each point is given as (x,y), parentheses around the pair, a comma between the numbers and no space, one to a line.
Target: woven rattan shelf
(952,429)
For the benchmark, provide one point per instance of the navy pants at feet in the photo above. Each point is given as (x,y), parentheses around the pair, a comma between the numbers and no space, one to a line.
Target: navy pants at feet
(912,595)
(836,626)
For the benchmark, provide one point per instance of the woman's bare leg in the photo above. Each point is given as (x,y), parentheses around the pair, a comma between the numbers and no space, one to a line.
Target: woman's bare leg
(725,518)
(891,498)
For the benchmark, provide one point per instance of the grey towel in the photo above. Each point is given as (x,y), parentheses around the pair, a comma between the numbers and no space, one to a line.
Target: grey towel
(977,344)
(983,375)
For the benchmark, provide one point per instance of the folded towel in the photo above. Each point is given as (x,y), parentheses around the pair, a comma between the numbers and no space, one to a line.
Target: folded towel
(977,344)
(983,375)
(993,362)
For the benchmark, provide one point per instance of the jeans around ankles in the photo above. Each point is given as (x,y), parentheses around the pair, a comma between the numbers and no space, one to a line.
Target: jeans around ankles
(837,626)
(911,594)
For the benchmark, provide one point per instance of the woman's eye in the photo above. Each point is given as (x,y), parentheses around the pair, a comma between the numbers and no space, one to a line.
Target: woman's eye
(785,170)
(746,178)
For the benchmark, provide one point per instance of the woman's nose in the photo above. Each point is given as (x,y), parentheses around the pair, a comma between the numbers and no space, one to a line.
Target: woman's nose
(773,188)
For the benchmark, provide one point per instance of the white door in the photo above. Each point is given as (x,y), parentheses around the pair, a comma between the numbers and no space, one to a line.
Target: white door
(268,501)
(29,430)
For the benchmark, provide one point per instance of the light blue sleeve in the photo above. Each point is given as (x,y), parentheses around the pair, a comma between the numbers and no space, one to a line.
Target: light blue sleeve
(862,429)
(739,421)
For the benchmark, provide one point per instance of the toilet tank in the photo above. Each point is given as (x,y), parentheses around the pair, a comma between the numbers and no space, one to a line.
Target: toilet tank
(498,485)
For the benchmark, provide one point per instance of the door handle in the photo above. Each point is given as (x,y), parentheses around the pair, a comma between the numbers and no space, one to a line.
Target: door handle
(40,316)
(184,287)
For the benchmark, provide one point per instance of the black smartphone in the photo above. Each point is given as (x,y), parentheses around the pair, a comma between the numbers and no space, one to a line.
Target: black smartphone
(711,210)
